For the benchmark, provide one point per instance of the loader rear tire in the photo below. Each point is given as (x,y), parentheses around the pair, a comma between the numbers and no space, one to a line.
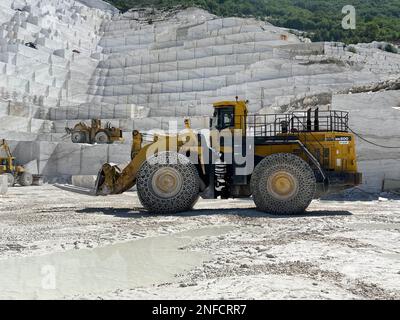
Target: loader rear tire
(168,183)
(283,184)
(101,138)
(26,179)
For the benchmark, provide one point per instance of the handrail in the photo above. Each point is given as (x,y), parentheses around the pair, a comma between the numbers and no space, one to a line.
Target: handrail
(273,124)
(294,123)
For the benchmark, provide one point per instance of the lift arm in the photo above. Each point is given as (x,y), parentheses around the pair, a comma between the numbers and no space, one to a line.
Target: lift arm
(116,179)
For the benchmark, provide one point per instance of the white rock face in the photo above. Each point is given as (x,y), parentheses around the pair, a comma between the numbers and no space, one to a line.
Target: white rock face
(64,61)
(376,118)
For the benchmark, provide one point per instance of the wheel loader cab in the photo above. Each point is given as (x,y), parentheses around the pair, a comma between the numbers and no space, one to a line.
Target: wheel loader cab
(229,115)
(96,124)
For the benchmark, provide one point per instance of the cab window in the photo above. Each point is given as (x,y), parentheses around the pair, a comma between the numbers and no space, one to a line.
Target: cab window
(224,117)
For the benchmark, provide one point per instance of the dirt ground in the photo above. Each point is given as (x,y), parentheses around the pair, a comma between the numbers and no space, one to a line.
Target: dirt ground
(56,244)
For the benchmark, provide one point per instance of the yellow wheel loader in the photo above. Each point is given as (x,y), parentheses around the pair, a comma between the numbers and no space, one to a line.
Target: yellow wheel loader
(14,173)
(282,161)
(82,133)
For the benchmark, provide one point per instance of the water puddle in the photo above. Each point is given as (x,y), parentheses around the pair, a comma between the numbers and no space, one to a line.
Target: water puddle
(126,265)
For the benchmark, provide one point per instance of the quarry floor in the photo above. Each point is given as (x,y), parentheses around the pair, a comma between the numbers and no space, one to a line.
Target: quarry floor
(56,244)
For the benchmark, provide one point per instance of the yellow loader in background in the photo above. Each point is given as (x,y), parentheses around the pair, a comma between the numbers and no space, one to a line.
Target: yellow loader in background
(15,174)
(82,133)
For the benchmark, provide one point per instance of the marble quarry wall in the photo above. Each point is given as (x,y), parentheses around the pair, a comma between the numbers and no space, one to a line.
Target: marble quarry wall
(376,118)
(65,61)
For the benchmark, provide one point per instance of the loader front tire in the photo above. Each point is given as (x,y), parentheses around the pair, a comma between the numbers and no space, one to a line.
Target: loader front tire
(283,184)
(78,137)
(168,183)
(101,138)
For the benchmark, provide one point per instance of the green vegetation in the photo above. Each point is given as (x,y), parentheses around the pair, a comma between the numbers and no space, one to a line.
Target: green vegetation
(322,19)
(390,48)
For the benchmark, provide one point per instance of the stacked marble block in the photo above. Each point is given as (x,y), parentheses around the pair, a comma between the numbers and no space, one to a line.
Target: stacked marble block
(44,75)
(371,62)
(183,65)
(38,84)
(180,65)
(59,161)
(51,72)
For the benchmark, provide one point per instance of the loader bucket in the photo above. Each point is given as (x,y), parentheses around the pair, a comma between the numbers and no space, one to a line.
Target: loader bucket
(99,181)
(106,179)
